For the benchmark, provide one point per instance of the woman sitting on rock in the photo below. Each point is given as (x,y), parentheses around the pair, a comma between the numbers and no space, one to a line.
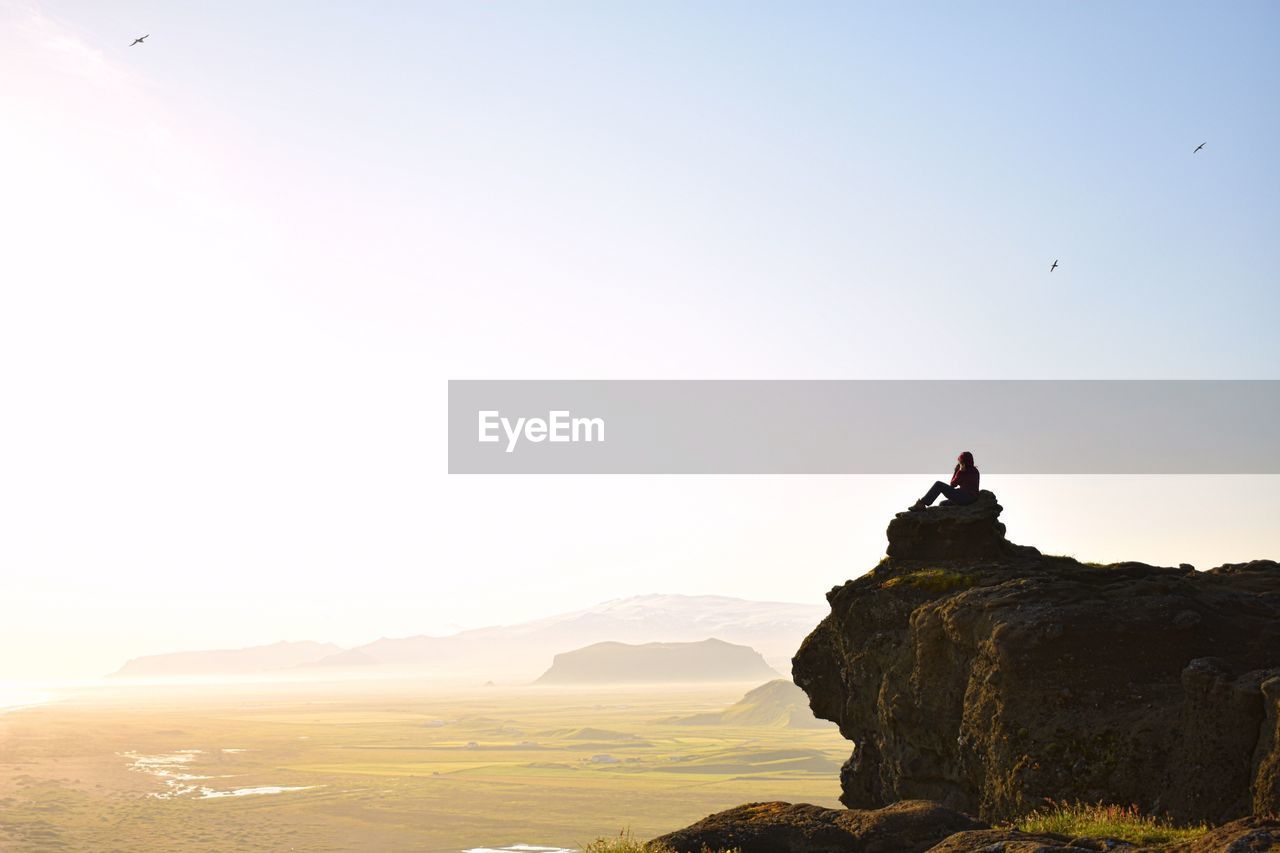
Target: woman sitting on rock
(963,488)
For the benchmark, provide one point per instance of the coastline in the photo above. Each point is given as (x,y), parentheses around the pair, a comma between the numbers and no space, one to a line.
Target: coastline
(17,698)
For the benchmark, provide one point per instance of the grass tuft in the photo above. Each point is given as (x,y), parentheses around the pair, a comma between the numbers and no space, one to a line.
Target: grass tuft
(1125,823)
(625,842)
(932,580)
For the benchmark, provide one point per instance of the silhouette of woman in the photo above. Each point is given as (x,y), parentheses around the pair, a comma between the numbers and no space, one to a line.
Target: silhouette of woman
(963,488)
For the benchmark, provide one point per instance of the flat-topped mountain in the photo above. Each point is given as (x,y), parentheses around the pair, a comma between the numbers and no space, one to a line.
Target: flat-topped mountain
(656,663)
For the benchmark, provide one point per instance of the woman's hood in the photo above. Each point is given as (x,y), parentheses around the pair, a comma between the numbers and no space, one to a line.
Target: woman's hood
(965,459)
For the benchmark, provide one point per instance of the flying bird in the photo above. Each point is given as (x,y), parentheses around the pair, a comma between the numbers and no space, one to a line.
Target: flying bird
(1198,147)
(140,40)
(1055,265)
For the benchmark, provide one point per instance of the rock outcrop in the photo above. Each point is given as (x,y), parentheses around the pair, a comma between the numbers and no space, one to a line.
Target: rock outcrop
(1266,768)
(922,826)
(1239,836)
(803,828)
(973,531)
(988,677)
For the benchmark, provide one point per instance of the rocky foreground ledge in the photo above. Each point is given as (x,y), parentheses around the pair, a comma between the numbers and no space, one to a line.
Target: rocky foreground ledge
(916,826)
(983,678)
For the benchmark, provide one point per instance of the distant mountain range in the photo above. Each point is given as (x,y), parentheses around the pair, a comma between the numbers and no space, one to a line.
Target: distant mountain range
(255,659)
(777,704)
(657,663)
(523,651)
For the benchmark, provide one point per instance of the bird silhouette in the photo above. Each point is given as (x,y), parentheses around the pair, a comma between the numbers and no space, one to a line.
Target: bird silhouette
(1198,147)
(140,40)
(1055,265)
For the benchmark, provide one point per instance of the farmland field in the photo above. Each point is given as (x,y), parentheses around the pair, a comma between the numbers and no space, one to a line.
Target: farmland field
(387,767)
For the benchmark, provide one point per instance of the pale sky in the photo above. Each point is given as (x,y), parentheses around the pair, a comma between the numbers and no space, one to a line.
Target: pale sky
(239,262)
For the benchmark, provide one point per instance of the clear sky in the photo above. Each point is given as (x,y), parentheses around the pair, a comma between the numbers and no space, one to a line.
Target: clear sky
(239,262)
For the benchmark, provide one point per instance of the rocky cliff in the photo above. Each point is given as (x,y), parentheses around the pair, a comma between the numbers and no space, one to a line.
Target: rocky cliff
(988,677)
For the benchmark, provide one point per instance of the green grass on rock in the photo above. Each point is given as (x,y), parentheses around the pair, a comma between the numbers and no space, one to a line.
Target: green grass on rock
(1124,823)
(932,580)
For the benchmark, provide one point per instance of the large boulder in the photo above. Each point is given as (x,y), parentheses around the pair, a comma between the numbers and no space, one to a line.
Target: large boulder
(950,532)
(989,677)
(804,828)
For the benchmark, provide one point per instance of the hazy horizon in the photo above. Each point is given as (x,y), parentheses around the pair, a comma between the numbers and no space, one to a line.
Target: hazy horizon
(512,652)
(243,259)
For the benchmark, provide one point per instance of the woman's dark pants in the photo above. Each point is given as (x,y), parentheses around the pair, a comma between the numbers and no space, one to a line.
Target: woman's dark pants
(953,494)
